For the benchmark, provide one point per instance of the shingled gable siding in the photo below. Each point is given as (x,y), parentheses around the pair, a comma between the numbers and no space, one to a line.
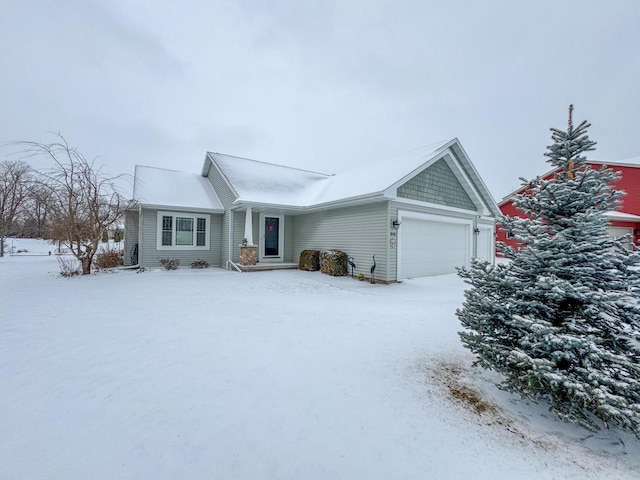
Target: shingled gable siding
(130,234)
(226,197)
(359,231)
(150,254)
(437,184)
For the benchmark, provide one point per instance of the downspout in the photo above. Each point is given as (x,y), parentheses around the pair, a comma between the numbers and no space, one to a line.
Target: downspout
(140,233)
(230,259)
(388,244)
(476,234)
(137,265)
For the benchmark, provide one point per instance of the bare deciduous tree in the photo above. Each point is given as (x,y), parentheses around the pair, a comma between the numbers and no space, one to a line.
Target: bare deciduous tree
(35,214)
(14,180)
(83,201)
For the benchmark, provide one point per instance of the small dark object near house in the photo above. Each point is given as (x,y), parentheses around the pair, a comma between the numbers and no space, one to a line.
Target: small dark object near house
(309,260)
(333,262)
(373,270)
(200,264)
(353,265)
(170,263)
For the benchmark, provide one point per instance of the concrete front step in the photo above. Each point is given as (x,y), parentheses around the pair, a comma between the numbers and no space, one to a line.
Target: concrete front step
(261,267)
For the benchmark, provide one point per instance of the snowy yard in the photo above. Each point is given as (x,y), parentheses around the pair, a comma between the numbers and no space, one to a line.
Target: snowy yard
(274,375)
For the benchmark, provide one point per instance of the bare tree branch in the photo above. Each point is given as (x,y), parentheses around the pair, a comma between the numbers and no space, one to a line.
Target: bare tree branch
(82,201)
(14,187)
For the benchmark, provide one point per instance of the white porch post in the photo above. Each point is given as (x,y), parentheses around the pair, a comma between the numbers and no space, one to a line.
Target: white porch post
(248,226)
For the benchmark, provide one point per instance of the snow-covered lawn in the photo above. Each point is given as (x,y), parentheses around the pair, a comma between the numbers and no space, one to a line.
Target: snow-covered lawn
(274,375)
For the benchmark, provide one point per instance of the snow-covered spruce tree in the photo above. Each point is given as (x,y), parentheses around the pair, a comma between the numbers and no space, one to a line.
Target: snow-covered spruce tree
(561,320)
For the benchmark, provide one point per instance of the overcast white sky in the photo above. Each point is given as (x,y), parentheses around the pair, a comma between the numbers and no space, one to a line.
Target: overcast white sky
(320,85)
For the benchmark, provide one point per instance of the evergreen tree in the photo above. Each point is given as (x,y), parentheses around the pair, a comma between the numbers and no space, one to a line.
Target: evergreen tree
(561,320)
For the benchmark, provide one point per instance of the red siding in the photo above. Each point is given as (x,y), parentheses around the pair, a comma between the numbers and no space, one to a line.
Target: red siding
(629,182)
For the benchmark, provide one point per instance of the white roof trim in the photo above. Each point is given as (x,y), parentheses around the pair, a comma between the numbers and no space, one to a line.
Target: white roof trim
(626,217)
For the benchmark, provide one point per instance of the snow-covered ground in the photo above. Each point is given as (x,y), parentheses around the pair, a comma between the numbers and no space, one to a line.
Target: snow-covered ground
(212,374)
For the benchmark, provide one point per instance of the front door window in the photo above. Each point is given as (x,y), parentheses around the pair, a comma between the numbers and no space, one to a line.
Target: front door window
(271,236)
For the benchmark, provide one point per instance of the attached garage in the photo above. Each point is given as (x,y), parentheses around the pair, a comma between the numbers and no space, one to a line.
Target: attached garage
(432,245)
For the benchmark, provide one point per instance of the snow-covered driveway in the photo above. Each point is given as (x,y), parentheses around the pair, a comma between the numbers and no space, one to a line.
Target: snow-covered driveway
(220,375)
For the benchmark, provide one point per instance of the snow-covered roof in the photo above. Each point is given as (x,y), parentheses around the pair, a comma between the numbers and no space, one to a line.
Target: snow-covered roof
(259,182)
(629,217)
(171,188)
(375,177)
(255,181)
(629,162)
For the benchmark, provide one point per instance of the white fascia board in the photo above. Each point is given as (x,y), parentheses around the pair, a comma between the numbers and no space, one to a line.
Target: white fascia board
(433,206)
(180,208)
(466,183)
(483,186)
(391,191)
(297,209)
(206,166)
(219,170)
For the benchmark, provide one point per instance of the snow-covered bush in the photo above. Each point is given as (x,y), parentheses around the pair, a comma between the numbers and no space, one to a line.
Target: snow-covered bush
(561,321)
(69,266)
(333,262)
(309,260)
(200,264)
(169,263)
(109,259)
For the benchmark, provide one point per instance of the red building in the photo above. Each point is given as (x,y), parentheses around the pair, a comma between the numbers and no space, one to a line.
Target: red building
(625,220)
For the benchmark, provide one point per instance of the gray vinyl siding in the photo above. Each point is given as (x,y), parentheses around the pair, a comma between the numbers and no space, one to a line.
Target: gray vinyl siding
(131,230)
(224,235)
(360,232)
(289,223)
(150,255)
(238,235)
(227,197)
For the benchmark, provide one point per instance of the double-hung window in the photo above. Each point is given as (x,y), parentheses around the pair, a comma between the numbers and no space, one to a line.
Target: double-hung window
(183,231)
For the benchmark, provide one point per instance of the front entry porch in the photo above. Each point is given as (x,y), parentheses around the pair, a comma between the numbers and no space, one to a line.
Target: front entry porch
(262,267)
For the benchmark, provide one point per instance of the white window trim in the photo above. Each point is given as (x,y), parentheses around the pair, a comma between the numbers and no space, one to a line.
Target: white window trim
(271,258)
(173,245)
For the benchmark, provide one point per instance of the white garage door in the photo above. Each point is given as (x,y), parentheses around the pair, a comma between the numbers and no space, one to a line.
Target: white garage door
(615,232)
(432,248)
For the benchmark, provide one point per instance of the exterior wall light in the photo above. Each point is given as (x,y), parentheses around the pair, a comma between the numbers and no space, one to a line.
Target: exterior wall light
(395,224)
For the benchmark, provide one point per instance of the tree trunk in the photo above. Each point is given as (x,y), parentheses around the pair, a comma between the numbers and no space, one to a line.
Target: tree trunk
(86,265)
(1,248)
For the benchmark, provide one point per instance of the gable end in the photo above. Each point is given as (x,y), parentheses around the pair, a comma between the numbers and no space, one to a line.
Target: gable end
(437,184)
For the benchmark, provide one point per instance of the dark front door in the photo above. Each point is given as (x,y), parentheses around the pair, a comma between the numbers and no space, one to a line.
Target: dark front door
(271,236)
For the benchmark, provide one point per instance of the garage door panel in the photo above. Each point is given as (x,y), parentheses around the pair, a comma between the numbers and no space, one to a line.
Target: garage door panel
(432,248)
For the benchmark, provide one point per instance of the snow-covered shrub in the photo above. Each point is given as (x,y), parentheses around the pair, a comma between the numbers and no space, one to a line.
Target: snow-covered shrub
(309,260)
(69,266)
(200,264)
(170,263)
(109,259)
(333,262)
(561,321)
